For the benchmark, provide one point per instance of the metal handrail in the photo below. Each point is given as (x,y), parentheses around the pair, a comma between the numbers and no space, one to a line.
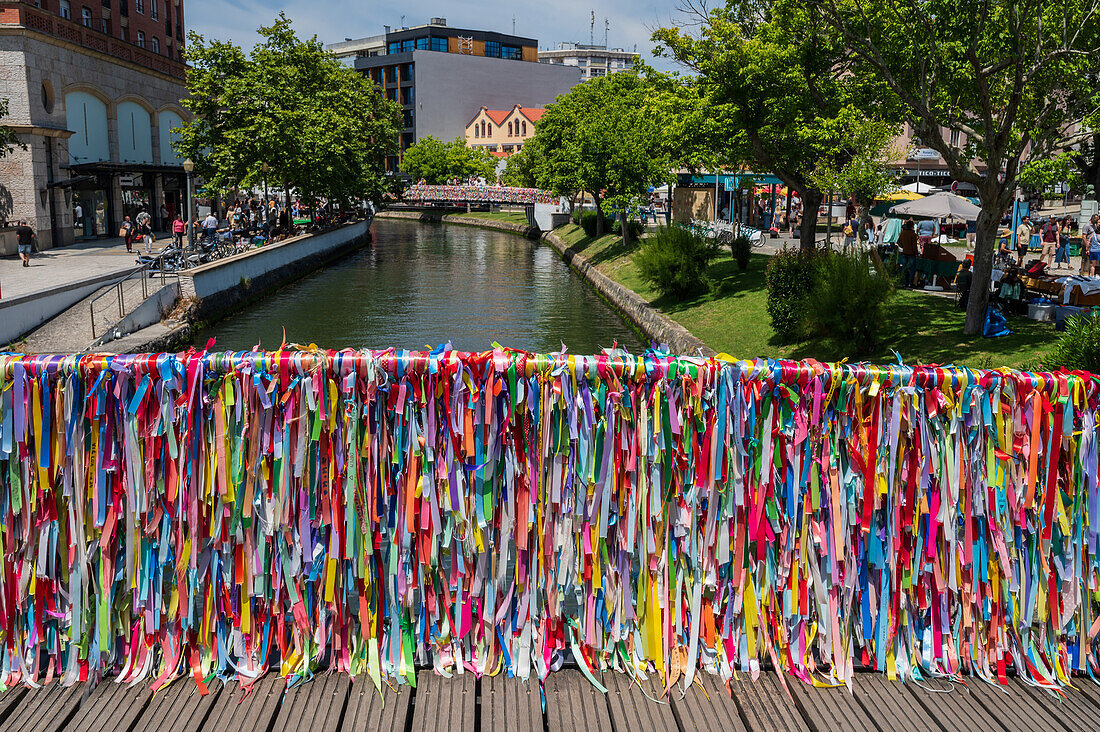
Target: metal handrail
(119,289)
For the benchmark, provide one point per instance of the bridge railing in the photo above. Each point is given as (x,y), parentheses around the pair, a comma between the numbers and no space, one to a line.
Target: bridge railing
(477,194)
(376,510)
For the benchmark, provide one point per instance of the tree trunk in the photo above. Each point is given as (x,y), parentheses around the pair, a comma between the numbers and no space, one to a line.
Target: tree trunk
(985,245)
(601,225)
(811,202)
(626,228)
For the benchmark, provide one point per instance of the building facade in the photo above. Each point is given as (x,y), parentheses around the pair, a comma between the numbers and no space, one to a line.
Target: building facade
(593,61)
(97,114)
(502,131)
(441,76)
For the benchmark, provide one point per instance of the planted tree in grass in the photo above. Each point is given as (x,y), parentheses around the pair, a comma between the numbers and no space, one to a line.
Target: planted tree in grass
(1078,349)
(675,260)
(791,276)
(988,84)
(604,138)
(436,161)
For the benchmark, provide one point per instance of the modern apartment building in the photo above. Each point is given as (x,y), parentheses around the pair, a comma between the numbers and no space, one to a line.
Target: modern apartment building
(442,76)
(502,131)
(94,91)
(593,61)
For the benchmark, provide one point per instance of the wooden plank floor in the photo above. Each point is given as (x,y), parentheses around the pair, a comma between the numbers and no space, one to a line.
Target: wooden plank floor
(336,703)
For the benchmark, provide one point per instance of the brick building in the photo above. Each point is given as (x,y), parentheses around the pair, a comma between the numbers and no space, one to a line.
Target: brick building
(93,90)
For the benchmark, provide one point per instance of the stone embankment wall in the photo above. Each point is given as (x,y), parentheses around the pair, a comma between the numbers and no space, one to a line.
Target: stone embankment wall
(654,325)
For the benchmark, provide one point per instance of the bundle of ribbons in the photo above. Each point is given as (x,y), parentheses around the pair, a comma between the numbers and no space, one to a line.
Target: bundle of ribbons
(227,514)
(482,194)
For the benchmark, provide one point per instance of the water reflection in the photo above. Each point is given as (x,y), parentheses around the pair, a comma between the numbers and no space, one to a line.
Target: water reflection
(420,285)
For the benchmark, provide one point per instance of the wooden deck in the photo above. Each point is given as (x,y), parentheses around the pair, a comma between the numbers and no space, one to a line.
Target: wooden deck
(333,703)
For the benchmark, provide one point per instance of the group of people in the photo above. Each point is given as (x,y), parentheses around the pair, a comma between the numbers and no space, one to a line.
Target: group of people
(1055,235)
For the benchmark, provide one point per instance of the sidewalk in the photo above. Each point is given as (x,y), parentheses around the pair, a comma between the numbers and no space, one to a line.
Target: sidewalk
(55,268)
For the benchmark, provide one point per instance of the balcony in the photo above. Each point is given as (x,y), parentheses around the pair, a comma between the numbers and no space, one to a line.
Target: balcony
(13,12)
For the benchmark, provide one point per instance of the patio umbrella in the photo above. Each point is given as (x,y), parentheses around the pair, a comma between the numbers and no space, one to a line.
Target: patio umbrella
(901,195)
(917,188)
(938,206)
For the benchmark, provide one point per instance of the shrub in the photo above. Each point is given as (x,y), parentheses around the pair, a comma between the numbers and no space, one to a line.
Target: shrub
(1078,348)
(741,248)
(674,260)
(588,223)
(790,276)
(637,228)
(847,298)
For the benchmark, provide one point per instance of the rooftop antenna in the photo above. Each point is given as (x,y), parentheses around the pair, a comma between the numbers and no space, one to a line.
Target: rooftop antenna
(402,21)
(606,26)
(513,24)
(592,30)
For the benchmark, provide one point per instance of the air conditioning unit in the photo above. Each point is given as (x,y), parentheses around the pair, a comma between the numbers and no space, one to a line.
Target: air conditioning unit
(437,21)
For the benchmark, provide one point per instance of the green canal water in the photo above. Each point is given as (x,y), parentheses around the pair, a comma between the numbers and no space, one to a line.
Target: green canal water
(420,285)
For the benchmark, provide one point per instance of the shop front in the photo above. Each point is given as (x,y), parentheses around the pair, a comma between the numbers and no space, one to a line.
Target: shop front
(91,207)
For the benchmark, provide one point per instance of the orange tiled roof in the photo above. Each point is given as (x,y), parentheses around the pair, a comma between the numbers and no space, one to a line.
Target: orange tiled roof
(498,115)
(532,113)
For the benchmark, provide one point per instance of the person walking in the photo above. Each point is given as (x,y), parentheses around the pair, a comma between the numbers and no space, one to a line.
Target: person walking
(210,227)
(1061,249)
(145,231)
(1090,243)
(127,233)
(178,230)
(1023,239)
(25,238)
(1050,241)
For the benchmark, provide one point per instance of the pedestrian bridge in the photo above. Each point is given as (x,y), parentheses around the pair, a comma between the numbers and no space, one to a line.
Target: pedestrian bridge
(606,541)
(420,194)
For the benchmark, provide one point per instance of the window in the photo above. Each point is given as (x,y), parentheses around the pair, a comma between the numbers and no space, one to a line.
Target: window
(156,45)
(86,17)
(139,5)
(514,53)
(65,9)
(439,44)
(492,48)
(407,96)
(422,44)
(393,47)
(484,129)
(124,34)
(509,129)
(406,73)
(525,129)
(477,130)
(391,74)
(955,138)
(141,39)
(154,11)
(103,27)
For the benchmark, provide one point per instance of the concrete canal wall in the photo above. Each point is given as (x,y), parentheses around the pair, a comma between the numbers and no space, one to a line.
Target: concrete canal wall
(20,315)
(654,325)
(223,286)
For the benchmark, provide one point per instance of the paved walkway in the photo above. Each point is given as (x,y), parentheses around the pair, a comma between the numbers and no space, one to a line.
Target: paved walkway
(333,703)
(55,268)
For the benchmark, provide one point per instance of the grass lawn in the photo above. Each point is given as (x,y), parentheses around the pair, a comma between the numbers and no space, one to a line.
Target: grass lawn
(732,319)
(512,217)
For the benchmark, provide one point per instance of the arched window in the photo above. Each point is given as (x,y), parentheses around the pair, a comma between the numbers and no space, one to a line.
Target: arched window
(86,116)
(141,39)
(168,126)
(477,130)
(525,128)
(509,129)
(135,134)
(484,129)
(156,45)
(86,17)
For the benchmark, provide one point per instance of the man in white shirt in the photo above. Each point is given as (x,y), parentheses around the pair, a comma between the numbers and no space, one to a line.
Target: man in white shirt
(209,226)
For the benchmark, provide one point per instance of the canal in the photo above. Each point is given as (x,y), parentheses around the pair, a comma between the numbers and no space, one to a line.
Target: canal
(420,285)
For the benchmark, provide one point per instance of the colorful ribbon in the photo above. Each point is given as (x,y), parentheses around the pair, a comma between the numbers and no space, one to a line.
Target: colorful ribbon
(479,194)
(209,514)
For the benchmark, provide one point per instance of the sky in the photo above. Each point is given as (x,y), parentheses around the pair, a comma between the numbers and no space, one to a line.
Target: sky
(631,21)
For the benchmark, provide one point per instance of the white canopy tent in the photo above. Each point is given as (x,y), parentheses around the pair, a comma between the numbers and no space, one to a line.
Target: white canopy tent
(918,187)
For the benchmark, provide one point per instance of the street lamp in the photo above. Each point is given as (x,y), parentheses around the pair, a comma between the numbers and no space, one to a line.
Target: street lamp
(189,167)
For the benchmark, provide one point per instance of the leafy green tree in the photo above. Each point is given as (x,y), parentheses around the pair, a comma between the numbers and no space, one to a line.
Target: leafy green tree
(320,127)
(773,79)
(8,139)
(436,161)
(519,169)
(989,84)
(605,138)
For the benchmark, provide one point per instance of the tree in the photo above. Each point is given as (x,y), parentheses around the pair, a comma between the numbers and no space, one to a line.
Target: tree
(519,169)
(436,161)
(319,126)
(989,84)
(8,139)
(776,78)
(605,138)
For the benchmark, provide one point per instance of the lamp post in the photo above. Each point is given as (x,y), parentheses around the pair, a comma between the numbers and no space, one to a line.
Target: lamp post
(189,167)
